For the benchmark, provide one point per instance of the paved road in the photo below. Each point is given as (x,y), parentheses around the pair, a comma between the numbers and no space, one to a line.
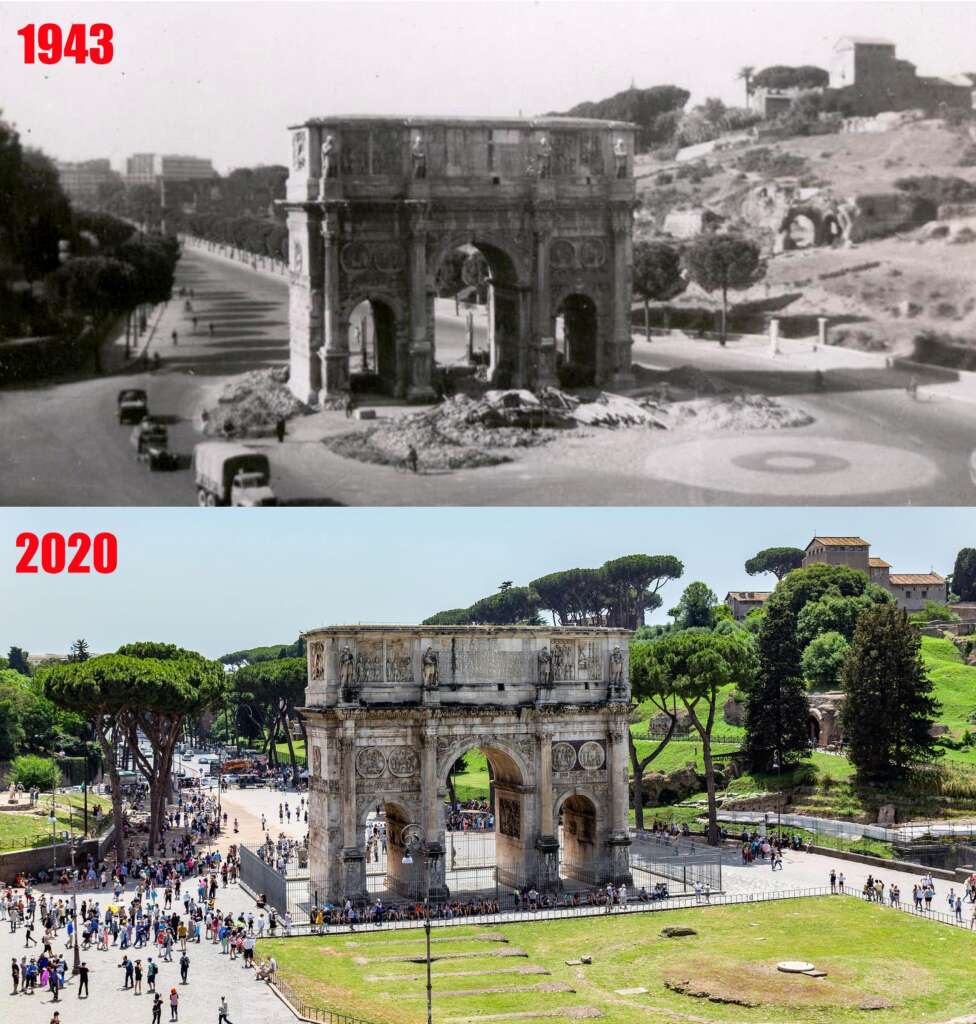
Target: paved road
(869,444)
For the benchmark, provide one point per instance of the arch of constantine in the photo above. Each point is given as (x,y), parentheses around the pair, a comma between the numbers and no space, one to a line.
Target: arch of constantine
(376,204)
(390,709)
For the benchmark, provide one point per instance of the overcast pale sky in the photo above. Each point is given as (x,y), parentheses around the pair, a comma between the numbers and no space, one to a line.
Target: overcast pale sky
(224,79)
(219,581)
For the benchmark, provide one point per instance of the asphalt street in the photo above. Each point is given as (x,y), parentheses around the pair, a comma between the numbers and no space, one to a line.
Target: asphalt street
(870,443)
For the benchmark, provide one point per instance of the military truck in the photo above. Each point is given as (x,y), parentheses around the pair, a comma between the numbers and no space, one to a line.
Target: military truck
(231,474)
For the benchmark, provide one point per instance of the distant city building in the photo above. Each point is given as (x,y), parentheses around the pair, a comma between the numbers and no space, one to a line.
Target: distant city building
(876,80)
(81,181)
(150,168)
(744,601)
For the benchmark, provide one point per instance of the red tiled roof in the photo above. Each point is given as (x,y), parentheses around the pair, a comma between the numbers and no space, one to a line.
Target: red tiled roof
(911,579)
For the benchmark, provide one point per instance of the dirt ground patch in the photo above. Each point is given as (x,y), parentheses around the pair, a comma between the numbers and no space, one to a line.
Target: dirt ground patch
(758,984)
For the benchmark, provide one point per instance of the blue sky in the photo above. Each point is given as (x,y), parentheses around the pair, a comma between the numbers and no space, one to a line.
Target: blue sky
(219,581)
(224,79)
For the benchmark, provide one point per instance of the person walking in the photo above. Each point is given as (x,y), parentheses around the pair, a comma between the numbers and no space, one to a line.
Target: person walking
(157,1009)
(83,972)
(15,974)
(184,967)
(174,1004)
(152,969)
(137,972)
(222,1017)
(280,429)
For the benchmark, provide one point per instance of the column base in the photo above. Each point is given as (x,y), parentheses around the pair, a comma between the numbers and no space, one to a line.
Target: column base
(547,871)
(420,393)
(618,858)
(546,376)
(354,876)
(335,374)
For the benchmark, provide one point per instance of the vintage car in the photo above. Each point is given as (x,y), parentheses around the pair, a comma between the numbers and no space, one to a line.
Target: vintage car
(150,438)
(132,405)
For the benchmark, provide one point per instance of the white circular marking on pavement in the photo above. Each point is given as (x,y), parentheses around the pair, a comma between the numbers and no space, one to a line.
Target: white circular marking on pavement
(791,466)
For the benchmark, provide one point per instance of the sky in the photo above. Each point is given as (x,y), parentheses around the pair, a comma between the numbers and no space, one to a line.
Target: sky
(223,80)
(220,581)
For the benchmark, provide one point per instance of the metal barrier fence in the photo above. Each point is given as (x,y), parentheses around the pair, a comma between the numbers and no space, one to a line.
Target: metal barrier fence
(853,829)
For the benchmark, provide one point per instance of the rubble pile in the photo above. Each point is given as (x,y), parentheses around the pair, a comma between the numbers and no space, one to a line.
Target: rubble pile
(250,405)
(460,433)
(617,411)
(738,412)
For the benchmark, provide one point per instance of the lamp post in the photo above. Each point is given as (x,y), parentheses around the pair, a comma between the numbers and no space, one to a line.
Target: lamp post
(412,837)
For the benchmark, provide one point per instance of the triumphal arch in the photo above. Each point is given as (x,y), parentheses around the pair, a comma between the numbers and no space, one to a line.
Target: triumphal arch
(390,709)
(377,204)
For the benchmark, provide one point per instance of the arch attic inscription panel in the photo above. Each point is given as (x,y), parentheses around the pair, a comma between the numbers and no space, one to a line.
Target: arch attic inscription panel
(390,709)
(376,204)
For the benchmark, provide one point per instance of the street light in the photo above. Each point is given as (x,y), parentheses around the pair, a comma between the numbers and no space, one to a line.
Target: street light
(412,837)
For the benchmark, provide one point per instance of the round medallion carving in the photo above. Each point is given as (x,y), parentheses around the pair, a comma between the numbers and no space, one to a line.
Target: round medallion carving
(388,258)
(562,253)
(593,253)
(563,757)
(370,763)
(592,756)
(403,762)
(354,256)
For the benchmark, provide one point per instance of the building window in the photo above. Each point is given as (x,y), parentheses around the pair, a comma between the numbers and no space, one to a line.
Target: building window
(925,593)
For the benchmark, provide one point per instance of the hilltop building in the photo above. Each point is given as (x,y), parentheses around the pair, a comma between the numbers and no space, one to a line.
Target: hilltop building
(876,80)
(910,590)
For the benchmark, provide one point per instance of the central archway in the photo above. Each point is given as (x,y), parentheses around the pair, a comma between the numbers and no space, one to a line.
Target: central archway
(486,273)
(376,334)
(485,827)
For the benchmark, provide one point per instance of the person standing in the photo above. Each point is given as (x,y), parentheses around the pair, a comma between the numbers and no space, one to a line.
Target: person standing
(83,979)
(184,967)
(157,1008)
(137,991)
(174,1004)
(222,1017)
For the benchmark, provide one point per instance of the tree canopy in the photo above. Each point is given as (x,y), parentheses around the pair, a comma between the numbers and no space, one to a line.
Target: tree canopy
(650,109)
(723,263)
(889,711)
(778,561)
(964,575)
(693,666)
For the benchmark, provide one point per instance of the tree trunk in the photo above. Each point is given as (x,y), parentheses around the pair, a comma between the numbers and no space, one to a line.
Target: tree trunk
(713,833)
(102,731)
(725,308)
(637,783)
(647,321)
(291,746)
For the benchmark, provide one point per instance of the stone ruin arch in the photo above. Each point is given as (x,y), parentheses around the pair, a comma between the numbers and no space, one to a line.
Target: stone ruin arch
(389,709)
(375,204)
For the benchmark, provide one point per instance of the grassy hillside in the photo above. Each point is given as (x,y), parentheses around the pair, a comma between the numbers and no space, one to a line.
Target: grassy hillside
(934,274)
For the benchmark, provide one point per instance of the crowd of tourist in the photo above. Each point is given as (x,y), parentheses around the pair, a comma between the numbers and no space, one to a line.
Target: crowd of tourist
(469,816)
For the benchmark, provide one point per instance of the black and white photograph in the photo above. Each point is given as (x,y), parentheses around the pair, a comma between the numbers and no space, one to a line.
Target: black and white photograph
(487,254)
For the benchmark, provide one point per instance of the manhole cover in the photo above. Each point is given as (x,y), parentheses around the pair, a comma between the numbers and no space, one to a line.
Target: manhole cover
(794,966)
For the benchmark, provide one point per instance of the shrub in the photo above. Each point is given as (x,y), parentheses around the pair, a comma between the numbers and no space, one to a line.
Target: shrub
(763,160)
(938,189)
(33,772)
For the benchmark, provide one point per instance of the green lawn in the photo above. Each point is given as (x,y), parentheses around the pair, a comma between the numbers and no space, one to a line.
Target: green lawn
(25,829)
(920,970)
